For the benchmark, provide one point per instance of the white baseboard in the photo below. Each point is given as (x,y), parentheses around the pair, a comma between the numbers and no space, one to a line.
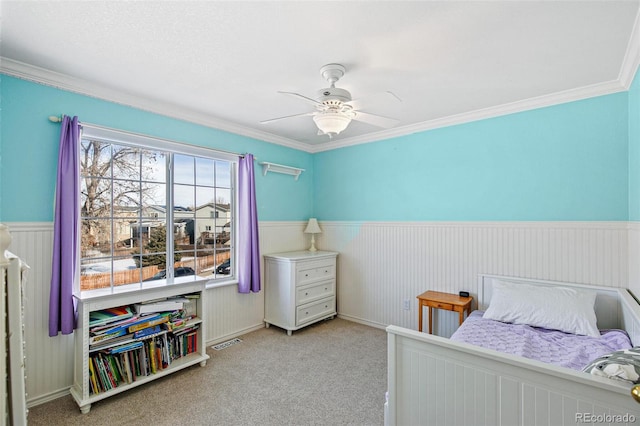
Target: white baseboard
(237,333)
(41,399)
(362,321)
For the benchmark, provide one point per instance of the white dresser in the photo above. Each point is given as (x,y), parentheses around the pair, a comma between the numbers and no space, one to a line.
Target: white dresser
(300,288)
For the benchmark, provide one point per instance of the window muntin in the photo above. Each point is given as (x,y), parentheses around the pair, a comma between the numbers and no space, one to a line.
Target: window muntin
(131,233)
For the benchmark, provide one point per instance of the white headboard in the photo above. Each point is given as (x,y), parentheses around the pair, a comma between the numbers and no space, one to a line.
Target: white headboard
(608,305)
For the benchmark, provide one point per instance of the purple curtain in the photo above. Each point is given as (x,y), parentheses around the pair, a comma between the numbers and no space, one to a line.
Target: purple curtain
(62,312)
(248,251)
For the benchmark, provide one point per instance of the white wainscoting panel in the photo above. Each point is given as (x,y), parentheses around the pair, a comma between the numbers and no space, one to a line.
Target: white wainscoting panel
(230,313)
(634,258)
(379,266)
(49,360)
(278,237)
(382,264)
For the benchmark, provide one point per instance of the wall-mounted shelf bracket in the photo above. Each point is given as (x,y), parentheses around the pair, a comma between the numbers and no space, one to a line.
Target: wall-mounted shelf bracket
(279,168)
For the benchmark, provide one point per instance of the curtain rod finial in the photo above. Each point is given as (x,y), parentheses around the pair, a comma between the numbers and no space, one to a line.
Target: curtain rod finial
(55,119)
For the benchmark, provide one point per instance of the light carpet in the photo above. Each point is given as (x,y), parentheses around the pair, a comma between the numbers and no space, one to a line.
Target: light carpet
(331,373)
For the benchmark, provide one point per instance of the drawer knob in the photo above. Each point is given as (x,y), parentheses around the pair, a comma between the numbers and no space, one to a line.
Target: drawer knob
(306,294)
(306,275)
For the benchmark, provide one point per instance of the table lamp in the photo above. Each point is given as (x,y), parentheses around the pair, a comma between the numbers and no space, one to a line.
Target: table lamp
(313,228)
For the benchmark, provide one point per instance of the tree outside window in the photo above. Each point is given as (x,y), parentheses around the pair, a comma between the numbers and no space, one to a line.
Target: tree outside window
(126,220)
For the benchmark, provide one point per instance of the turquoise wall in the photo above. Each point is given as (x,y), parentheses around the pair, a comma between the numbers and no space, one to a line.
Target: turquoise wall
(29,151)
(575,161)
(565,162)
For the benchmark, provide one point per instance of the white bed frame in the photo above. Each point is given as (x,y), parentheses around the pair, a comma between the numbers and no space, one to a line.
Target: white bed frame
(12,369)
(435,381)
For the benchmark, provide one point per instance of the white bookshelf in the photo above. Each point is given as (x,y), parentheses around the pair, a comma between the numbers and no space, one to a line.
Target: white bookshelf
(81,389)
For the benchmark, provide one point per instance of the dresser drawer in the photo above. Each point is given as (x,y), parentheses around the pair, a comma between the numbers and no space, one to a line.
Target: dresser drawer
(315,310)
(439,305)
(314,271)
(315,291)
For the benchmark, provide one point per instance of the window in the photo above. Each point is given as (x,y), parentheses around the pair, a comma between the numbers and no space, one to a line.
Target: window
(153,210)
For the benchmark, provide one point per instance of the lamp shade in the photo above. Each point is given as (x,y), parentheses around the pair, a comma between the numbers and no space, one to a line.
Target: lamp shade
(331,123)
(312,227)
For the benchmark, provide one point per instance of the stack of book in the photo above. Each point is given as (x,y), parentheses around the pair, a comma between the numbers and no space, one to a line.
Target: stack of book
(126,343)
(163,305)
(124,364)
(107,316)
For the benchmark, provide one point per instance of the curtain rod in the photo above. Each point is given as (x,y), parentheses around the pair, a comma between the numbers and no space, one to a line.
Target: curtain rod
(58,119)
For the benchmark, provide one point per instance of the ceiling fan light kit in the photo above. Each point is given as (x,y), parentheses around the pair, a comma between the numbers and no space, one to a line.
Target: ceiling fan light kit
(331,123)
(334,106)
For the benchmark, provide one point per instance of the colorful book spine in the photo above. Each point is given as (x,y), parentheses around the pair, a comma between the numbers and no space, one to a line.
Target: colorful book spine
(98,374)
(116,369)
(105,365)
(107,336)
(191,342)
(150,323)
(106,381)
(151,356)
(135,369)
(113,326)
(144,364)
(125,348)
(147,331)
(92,378)
(124,362)
(166,357)
(158,357)
(106,316)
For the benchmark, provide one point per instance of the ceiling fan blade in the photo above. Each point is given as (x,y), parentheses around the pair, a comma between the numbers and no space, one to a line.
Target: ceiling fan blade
(387,96)
(287,116)
(376,120)
(304,98)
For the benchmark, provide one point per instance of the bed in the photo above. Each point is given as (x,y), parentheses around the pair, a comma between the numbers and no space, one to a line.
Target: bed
(438,381)
(13,272)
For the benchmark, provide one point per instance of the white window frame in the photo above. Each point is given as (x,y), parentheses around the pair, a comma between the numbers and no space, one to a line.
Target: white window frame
(114,136)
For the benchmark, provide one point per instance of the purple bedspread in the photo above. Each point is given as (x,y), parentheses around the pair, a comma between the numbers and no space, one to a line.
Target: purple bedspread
(551,346)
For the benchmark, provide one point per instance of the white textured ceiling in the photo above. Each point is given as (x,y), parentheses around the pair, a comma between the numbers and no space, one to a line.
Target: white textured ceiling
(222,62)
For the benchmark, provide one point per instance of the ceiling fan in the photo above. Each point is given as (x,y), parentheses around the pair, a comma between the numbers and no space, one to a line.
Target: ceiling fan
(334,108)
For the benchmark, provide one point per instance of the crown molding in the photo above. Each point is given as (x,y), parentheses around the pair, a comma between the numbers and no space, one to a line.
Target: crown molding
(628,69)
(631,59)
(61,81)
(481,114)
(64,82)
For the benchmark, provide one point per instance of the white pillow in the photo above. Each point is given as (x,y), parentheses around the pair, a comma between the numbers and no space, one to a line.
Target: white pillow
(559,308)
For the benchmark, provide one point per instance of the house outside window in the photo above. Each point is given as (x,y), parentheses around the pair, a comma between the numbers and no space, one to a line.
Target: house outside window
(153,210)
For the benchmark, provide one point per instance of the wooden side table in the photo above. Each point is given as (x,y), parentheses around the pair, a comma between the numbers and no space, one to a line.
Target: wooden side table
(446,301)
